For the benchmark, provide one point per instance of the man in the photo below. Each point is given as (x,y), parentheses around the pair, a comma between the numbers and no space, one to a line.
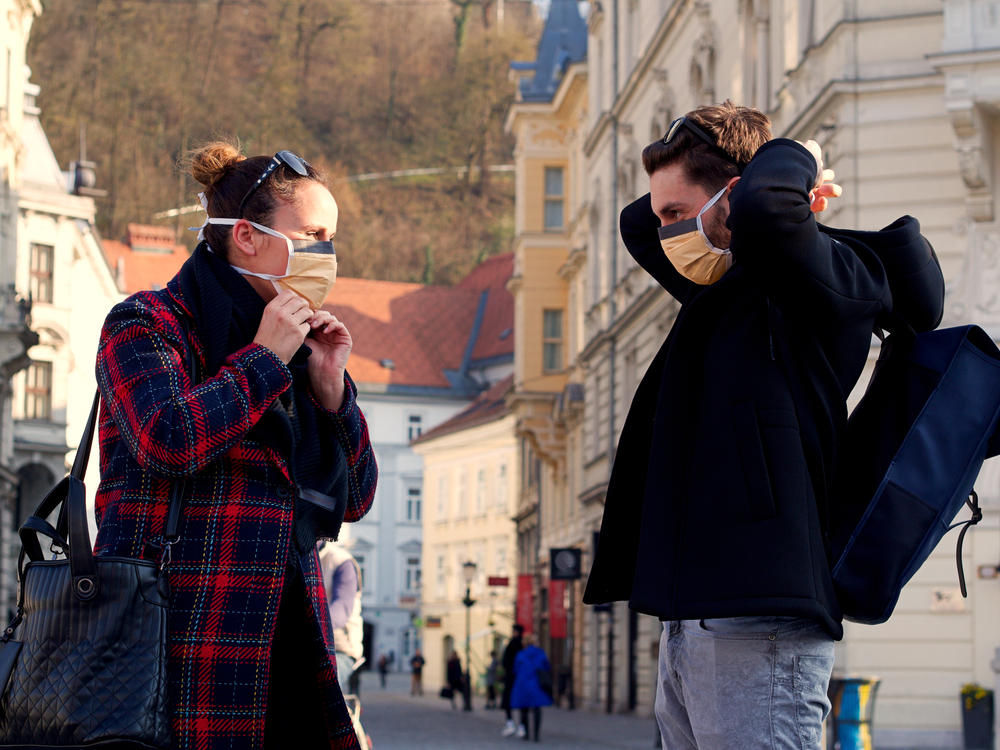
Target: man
(417,668)
(342,578)
(509,654)
(715,510)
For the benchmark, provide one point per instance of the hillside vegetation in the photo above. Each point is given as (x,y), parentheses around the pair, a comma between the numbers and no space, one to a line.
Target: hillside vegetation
(354,86)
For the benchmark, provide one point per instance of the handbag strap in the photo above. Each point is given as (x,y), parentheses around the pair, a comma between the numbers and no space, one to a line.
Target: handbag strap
(72,524)
(171,532)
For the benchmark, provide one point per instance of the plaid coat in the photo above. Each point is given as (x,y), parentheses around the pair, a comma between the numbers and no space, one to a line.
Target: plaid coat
(228,569)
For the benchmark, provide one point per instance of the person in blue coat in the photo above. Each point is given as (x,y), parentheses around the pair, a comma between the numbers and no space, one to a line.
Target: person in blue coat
(532,685)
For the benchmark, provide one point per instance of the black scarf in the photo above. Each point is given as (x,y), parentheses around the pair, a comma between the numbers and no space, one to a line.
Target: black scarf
(227,312)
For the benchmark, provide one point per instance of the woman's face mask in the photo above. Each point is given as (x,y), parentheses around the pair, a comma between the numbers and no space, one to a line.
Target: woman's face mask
(311,270)
(690,251)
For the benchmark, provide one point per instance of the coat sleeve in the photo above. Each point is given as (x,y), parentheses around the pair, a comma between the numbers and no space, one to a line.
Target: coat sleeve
(638,226)
(351,431)
(172,427)
(912,268)
(776,238)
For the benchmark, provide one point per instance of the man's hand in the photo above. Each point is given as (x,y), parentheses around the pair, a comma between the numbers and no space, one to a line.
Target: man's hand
(284,325)
(823,188)
(330,344)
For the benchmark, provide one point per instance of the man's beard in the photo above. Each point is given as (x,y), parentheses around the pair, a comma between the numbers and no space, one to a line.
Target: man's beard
(714,224)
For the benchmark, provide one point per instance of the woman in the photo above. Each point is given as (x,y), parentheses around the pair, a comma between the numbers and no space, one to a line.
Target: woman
(456,680)
(531,671)
(268,440)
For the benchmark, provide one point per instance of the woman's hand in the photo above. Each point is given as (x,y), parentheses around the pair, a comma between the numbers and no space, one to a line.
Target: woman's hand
(284,325)
(823,188)
(330,345)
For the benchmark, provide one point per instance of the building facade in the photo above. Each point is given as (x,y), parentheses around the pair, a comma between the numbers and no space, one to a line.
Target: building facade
(902,97)
(470,480)
(16,338)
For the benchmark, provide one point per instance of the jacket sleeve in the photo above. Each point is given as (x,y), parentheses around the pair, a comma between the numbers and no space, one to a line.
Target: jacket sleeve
(776,238)
(638,226)
(172,427)
(912,269)
(351,431)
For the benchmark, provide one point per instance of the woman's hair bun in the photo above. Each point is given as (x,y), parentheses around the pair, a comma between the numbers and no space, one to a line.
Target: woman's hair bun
(212,161)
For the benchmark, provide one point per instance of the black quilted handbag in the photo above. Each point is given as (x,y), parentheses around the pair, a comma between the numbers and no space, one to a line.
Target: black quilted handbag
(89,666)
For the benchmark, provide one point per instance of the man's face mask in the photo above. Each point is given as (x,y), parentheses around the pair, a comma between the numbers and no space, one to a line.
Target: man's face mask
(311,270)
(690,251)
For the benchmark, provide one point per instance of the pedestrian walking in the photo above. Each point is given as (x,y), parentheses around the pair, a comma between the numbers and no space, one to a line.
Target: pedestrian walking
(269,422)
(417,671)
(714,512)
(456,680)
(514,645)
(492,675)
(342,579)
(532,687)
(383,669)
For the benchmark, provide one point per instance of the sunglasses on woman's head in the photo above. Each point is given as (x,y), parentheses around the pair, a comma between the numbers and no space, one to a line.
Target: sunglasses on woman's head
(683,122)
(298,165)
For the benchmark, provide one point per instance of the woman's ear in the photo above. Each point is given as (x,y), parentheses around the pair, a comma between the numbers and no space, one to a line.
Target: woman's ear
(243,237)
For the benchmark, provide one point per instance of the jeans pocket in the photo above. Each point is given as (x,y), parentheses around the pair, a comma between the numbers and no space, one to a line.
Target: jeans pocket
(811,678)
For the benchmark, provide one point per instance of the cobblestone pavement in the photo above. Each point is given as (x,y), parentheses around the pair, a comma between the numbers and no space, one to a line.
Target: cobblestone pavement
(396,721)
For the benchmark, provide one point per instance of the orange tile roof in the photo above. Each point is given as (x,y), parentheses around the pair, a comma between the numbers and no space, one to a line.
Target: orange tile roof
(423,330)
(488,406)
(492,274)
(140,269)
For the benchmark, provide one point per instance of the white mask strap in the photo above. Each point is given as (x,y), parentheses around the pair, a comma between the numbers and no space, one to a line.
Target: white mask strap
(701,229)
(262,228)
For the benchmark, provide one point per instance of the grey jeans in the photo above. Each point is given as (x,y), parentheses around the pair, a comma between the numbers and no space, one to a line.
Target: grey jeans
(743,682)
(345,667)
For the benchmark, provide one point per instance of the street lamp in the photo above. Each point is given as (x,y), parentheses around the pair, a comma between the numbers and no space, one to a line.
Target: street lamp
(468,572)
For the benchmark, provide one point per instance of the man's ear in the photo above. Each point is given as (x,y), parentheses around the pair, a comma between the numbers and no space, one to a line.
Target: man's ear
(243,238)
(732,183)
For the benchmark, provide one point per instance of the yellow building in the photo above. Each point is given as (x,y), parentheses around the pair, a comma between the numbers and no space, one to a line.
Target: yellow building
(548,119)
(470,480)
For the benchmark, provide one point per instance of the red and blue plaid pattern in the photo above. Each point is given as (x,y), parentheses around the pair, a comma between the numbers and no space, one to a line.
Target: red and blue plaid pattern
(228,569)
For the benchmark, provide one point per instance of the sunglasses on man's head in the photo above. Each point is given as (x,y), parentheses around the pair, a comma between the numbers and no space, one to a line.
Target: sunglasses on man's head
(298,165)
(683,122)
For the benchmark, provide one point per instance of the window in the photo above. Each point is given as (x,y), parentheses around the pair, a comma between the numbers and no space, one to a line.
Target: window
(500,557)
(38,391)
(413,574)
(552,337)
(360,559)
(502,488)
(441,586)
(414,427)
(40,283)
(481,492)
(413,504)
(442,498)
(463,495)
(553,198)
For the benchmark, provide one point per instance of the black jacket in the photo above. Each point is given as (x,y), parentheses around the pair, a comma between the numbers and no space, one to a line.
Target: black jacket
(711,509)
